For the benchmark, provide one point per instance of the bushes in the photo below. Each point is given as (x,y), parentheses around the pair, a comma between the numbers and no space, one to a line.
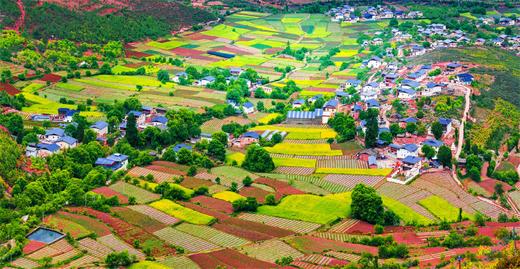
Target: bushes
(248,204)
(258,160)
(367,205)
(119,259)
(393,251)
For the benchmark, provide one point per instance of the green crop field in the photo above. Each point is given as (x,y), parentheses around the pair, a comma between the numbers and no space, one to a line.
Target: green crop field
(442,209)
(226,31)
(231,172)
(70,87)
(355,171)
(405,213)
(295,162)
(311,208)
(171,44)
(175,210)
(129,190)
(304,149)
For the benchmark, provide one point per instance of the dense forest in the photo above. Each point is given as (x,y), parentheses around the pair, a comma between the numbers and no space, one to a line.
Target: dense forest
(145,19)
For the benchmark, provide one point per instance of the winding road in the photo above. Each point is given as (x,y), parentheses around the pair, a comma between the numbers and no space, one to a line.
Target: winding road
(464,118)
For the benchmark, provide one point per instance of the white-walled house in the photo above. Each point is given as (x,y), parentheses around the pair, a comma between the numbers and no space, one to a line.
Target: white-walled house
(100,127)
(248,107)
(406,94)
(432,89)
(67,142)
(374,62)
(52,135)
(408,150)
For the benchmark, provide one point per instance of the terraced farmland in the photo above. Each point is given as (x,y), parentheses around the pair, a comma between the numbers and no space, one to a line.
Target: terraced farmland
(292,225)
(187,241)
(212,235)
(140,195)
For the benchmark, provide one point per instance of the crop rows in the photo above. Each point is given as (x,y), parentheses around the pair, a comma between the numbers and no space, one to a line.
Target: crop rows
(187,241)
(321,260)
(292,225)
(94,247)
(213,203)
(343,256)
(271,250)
(212,235)
(344,225)
(294,170)
(179,262)
(157,175)
(154,214)
(324,184)
(296,141)
(82,262)
(341,237)
(341,163)
(25,263)
(118,245)
(65,256)
(141,196)
(305,265)
(350,181)
(314,157)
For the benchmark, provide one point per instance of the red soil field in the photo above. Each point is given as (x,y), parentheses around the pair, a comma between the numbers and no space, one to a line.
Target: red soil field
(97,227)
(258,227)
(212,203)
(171,165)
(10,89)
(166,170)
(205,260)
(186,52)
(272,50)
(204,58)
(193,183)
(242,232)
(136,65)
(309,244)
(257,193)
(235,259)
(108,193)
(51,78)
(409,238)
(361,227)
(33,246)
(233,50)
(137,54)
(280,187)
(128,232)
(199,36)
(489,185)
(218,215)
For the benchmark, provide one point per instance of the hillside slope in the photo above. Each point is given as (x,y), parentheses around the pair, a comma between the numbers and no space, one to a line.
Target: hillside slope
(105,20)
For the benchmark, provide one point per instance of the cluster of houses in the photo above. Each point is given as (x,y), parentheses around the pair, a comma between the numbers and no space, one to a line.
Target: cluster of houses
(347,13)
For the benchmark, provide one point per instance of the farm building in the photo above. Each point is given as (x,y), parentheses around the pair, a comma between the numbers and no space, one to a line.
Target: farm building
(305,117)
(100,127)
(113,162)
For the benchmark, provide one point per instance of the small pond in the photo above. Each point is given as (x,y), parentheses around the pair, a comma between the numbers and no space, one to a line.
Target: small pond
(45,235)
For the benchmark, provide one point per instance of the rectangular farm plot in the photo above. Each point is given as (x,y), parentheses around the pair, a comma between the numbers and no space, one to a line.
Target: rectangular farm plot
(300,133)
(442,209)
(350,181)
(294,162)
(72,221)
(141,196)
(179,262)
(355,171)
(304,149)
(271,250)
(292,225)
(118,245)
(133,217)
(154,214)
(94,248)
(213,203)
(183,213)
(212,235)
(168,45)
(108,193)
(189,242)
(228,196)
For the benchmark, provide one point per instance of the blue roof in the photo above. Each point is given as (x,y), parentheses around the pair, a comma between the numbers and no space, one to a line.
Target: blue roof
(383,130)
(395,146)
(417,74)
(426,66)
(430,85)
(407,91)
(146,108)
(251,134)
(411,83)
(99,125)
(299,102)
(49,147)
(331,102)
(410,147)
(235,69)
(453,65)
(304,114)
(444,121)
(68,139)
(181,74)
(71,112)
(354,82)
(117,157)
(249,105)
(178,147)
(465,77)
(135,113)
(373,84)
(411,160)
(372,103)
(392,76)
(104,162)
(342,94)
(160,119)
(410,120)
(367,16)
(433,143)
(357,107)
(372,160)
(209,78)
(55,131)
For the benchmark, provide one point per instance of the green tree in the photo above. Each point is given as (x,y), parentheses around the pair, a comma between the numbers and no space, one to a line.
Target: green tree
(9,155)
(105,69)
(217,150)
(437,130)
(366,204)
(393,23)
(387,137)
(119,259)
(428,151)
(258,160)
(132,135)
(163,76)
(444,156)
(372,130)
(411,127)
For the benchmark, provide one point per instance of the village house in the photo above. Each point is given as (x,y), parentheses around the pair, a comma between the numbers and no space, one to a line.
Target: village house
(356,83)
(298,103)
(67,142)
(178,76)
(367,95)
(248,107)
(412,162)
(315,98)
(52,135)
(100,127)
(113,162)
(374,62)
(140,117)
(432,89)
(205,81)
(464,78)
(435,144)
(372,87)
(178,147)
(406,94)
(372,103)
(446,124)
(407,150)
(329,109)
(246,139)
(44,150)
(235,71)
(159,121)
